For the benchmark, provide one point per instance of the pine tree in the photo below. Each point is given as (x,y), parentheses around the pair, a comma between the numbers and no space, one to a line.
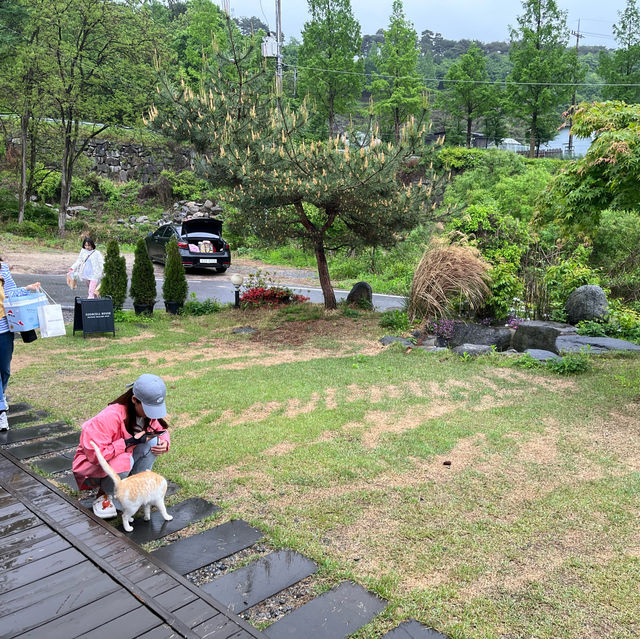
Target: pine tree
(114,282)
(174,287)
(143,281)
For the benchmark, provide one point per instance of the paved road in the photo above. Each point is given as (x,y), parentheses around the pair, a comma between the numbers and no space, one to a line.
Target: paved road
(207,287)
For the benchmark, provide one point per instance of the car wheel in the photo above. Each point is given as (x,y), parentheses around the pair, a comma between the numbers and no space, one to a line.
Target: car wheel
(221,269)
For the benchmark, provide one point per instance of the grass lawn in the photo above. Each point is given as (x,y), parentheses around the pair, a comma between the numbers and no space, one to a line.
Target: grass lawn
(335,446)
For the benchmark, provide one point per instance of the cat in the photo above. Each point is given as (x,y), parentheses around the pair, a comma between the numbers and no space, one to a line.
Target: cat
(144,489)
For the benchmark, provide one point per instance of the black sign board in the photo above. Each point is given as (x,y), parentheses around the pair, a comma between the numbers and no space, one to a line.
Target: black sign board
(93,316)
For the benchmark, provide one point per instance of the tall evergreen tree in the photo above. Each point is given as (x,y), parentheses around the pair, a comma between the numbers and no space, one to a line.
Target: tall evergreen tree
(114,282)
(330,72)
(397,89)
(542,67)
(467,93)
(622,66)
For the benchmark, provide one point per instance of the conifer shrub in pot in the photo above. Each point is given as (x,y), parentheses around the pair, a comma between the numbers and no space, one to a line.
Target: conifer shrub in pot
(114,282)
(143,281)
(174,288)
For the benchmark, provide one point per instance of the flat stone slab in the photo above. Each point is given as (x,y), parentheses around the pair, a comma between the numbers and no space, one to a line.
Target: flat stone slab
(68,480)
(191,553)
(541,355)
(19,407)
(336,614)
(53,465)
(32,432)
(25,418)
(575,343)
(413,630)
(45,446)
(184,514)
(253,583)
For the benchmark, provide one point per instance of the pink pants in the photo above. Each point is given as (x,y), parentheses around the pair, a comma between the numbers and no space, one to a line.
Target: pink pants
(92,284)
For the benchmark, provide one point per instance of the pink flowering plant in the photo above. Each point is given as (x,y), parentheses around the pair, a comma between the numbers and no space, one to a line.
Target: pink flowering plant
(441,327)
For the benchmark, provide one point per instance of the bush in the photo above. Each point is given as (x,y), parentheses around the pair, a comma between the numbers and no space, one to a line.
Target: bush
(174,287)
(114,282)
(260,296)
(395,320)
(187,186)
(143,283)
(569,364)
(206,307)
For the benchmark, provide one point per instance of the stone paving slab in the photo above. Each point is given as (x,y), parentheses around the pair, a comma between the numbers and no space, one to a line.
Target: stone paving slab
(53,465)
(253,583)
(184,514)
(413,630)
(575,343)
(25,418)
(15,435)
(336,614)
(45,446)
(191,553)
(19,407)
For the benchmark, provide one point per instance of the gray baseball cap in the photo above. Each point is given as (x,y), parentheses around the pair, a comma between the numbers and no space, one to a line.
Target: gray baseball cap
(151,392)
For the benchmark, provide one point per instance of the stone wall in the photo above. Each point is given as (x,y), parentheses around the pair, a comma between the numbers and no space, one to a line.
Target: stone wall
(126,161)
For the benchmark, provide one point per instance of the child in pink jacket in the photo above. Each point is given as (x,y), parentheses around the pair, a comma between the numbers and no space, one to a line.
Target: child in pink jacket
(130,432)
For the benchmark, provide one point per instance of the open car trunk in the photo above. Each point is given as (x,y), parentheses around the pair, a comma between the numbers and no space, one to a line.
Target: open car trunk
(203,235)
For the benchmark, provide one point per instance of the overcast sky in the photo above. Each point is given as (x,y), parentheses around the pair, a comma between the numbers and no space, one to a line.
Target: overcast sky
(484,20)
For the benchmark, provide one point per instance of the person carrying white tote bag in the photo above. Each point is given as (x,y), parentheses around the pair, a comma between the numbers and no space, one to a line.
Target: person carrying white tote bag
(51,319)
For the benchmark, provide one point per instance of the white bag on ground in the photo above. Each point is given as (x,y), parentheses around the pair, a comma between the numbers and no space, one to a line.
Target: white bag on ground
(51,320)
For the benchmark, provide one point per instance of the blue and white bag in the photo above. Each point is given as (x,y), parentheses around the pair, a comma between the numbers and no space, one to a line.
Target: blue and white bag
(22,309)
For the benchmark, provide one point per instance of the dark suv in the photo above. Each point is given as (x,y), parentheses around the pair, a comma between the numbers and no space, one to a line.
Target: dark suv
(199,240)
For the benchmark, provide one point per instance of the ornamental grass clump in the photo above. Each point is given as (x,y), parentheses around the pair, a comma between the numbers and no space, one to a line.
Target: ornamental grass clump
(447,274)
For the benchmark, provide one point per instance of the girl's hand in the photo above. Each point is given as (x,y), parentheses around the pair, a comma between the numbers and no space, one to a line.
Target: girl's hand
(160,448)
(33,287)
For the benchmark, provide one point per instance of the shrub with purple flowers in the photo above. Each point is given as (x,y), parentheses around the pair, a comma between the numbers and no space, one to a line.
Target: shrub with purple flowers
(441,327)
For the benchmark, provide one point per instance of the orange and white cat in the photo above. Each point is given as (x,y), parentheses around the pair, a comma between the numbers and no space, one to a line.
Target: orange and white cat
(144,489)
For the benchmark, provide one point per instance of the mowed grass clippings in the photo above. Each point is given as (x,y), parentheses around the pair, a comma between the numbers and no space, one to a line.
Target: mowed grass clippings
(481,499)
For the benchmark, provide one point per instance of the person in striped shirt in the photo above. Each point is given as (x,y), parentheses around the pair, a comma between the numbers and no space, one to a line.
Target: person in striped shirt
(7,285)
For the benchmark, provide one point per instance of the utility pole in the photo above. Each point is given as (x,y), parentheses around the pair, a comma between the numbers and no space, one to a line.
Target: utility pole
(578,35)
(278,49)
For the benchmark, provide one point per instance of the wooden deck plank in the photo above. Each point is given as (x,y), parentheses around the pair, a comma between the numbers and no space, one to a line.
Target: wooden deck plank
(26,550)
(176,598)
(132,624)
(161,632)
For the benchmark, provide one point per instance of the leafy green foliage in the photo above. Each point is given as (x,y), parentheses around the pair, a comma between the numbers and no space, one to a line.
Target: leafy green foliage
(395,320)
(205,307)
(186,185)
(143,282)
(174,287)
(622,322)
(114,282)
(570,363)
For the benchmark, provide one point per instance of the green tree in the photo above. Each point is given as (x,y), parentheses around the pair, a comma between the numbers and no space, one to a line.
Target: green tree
(621,68)
(174,287)
(608,175)
(143,281)
(330,72)
(542,68)
(114,282)
(467,95)
(327,194)
(397,89)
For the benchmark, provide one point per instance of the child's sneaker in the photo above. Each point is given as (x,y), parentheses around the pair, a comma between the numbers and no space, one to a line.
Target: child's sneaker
(103,507)
(4,421)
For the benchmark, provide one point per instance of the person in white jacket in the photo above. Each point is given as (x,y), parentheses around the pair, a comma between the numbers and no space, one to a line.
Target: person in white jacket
(89,266)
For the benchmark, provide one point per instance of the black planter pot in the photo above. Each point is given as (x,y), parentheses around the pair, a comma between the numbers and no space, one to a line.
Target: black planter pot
(143,309)
(173,307)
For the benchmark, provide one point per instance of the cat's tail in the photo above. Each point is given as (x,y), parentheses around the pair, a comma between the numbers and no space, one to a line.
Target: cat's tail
(105,466)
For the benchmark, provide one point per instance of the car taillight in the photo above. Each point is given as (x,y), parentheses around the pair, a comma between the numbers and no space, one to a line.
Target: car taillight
(183,245)
(226,246)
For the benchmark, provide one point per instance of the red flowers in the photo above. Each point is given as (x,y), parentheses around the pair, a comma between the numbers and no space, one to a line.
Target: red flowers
(261,296)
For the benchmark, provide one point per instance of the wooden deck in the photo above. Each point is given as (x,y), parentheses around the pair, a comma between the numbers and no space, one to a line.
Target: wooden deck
(65,573)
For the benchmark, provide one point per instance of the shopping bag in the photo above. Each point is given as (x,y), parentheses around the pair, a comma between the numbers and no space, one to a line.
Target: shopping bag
(22,310)
(51,320)
(72,282)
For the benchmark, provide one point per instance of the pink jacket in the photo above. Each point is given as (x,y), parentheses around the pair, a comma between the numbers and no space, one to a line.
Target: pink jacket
(108,431)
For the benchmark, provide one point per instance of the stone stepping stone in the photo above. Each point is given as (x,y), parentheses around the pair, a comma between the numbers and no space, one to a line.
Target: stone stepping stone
(19,407)
(191,553)
(336,614)
(184,514)
(253,583)
(70,481)
(54,465)
(25,418)
(413,630)
(32,432)
(45,446)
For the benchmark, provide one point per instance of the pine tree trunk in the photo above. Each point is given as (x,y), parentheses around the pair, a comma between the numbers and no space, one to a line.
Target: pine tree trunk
(323,274)
(469,123)
(24,152)
(532,135)
(65,183)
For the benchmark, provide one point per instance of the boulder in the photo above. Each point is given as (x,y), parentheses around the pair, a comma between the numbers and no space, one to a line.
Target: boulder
(390,339)
(472,349)
(540,355)
(498,336)
(587,302)
(539,334)
(361,295)
(575,343)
